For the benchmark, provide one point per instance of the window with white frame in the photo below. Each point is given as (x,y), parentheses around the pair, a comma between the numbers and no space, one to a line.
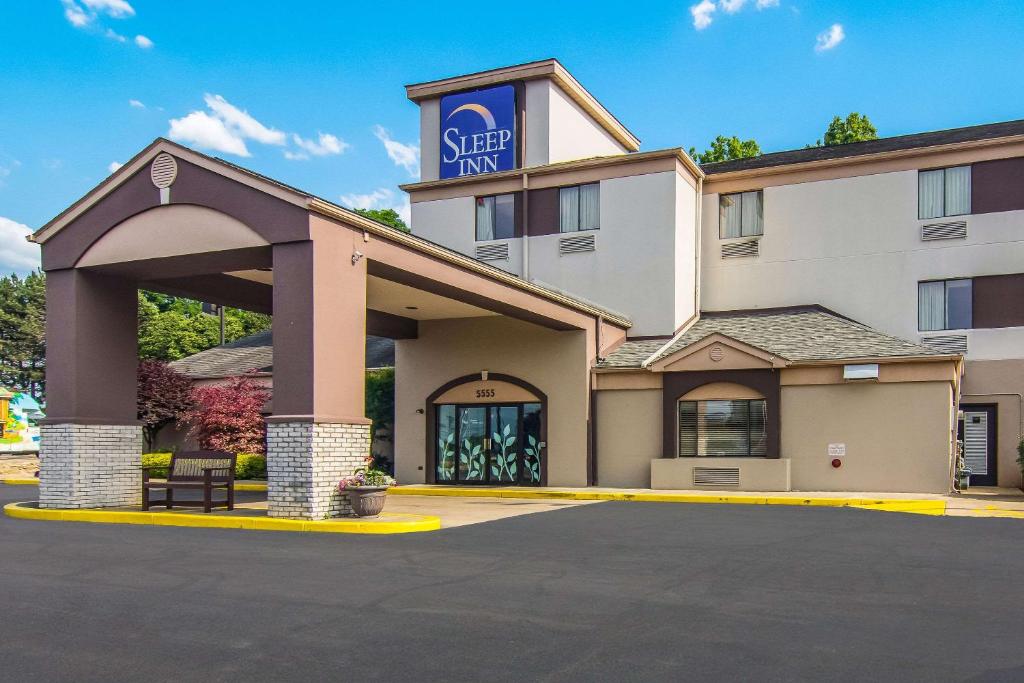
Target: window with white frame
(734,428)
(741,214)
(944,192)
(579,208)
(944,305)
(495,217)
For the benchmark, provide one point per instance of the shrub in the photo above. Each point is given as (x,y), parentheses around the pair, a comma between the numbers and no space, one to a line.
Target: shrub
(229,417)
(1020,455)
(164,397)
(247,465)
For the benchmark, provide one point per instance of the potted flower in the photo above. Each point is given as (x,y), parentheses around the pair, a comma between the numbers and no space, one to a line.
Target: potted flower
(367,490)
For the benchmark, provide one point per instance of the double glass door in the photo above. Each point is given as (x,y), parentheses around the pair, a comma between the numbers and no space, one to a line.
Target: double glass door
(489,444)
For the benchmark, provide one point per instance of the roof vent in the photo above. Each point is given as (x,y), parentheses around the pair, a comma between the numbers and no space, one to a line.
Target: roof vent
(164,170)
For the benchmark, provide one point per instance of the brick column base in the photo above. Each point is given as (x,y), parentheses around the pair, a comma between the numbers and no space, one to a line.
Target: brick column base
(89,466)
(305,462)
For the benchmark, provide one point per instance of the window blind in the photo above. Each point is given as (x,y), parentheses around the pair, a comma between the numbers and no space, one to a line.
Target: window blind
(723,428)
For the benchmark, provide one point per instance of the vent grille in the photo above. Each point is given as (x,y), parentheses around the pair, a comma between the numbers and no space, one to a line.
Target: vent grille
(164,170)
(576,244)
(741,249)
(946,343)
(716,476)
(492,252)
(944,231)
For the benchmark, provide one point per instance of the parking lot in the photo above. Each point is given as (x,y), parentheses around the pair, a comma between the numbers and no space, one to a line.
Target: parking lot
(606,591)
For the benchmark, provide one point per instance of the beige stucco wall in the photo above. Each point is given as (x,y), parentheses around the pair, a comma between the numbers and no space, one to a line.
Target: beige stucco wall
(554,362)
(628,436)
(999,382)
(897,436)
(756,474)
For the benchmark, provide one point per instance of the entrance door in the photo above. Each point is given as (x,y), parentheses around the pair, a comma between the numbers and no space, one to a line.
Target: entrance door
(978,435)
(489,444)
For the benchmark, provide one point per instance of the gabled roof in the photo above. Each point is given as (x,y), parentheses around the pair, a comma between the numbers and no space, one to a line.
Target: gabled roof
(798,335)
(990,131)
(255,353)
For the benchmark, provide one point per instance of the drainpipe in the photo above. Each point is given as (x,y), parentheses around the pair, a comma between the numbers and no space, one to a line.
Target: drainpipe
(526,227)
(699,210)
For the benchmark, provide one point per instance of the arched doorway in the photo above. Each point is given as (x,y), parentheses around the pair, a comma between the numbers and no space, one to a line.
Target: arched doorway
(487,430)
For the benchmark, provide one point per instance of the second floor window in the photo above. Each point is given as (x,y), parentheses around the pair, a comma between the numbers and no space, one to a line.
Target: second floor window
(579,208)
(495,217)
(944,192)
(741,214)
(945,305)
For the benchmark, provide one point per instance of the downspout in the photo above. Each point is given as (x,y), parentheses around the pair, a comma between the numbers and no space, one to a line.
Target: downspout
(526,227)
(699,211)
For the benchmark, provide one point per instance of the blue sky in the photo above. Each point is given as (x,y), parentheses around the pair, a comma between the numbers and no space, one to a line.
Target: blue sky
(311,92)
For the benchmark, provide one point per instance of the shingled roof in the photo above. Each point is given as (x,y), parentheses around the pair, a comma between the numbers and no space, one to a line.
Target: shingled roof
(256,353)
(803,334)
(855,149)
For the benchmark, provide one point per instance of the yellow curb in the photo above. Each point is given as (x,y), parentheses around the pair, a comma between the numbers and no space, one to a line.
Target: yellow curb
(250,487)
(30,481)
(387,523)
(917,506)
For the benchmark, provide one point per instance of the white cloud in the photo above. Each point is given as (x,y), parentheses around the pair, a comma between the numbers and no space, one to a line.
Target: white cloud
(829,38)
(119,9)
(325,145)
(242,122)
(143,42)
(15,252)
(381,198)
(732,6)
(114,35)
(702,14)
(209,132)
(136,103)
(765,4)
(405,155)
(76,15)
(113,166)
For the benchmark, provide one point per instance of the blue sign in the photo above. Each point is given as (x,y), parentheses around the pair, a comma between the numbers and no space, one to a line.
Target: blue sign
(478,132)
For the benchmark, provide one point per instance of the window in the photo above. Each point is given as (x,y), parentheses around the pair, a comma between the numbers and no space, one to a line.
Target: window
(579,208)
(727,428)
(495,217)
(944,305)
(742,214)
(944,192)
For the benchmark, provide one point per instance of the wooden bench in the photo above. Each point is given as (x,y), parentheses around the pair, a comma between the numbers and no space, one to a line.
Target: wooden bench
(195,471)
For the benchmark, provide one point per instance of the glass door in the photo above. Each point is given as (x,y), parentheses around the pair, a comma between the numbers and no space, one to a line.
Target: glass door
(489,444)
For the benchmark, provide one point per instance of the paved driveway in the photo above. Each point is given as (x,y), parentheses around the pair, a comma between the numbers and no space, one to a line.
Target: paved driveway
(609,591)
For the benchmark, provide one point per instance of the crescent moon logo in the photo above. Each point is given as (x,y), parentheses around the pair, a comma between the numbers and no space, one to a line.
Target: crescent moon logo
(480,109)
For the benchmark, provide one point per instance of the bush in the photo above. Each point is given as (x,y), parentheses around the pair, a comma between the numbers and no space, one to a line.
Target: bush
(247,465)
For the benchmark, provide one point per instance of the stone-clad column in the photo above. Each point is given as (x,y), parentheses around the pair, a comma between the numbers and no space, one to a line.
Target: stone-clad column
(318,433)
(90,441)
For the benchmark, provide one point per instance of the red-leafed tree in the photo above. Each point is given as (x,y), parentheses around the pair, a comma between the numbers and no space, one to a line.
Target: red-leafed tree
(165,396)
(229,417)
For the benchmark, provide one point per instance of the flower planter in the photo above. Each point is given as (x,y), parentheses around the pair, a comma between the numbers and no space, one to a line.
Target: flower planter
(367,501)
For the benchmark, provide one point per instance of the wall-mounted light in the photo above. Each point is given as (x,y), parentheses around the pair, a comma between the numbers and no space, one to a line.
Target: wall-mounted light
(860,372)
(356,256)
(483,375)
(419,411)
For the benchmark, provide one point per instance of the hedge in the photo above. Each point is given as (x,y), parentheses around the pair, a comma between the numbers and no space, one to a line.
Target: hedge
(247,465)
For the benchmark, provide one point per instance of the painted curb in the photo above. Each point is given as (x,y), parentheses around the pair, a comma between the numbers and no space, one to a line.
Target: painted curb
(399,523)
(916,506)
(35,482)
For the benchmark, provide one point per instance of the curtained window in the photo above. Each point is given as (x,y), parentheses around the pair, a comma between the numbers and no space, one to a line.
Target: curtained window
(944,305)
(579,208)
(735,428)
(741,214)
(944,192)
(495,217)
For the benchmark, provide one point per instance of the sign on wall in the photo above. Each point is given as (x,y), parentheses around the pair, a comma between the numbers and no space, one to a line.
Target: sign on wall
(478,132)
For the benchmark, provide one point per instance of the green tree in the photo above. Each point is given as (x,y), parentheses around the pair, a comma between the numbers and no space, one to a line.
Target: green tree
(854,128)
(726,149)
(171,327)
(23,333)
(385,216)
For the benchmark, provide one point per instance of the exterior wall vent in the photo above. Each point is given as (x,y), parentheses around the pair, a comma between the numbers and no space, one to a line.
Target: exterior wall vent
(944,231)
(576,244)
(163,170)
(947,343)
(741,249)
(716,476)
(492,252)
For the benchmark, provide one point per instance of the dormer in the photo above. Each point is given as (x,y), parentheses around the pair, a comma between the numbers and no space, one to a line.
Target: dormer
(514,117)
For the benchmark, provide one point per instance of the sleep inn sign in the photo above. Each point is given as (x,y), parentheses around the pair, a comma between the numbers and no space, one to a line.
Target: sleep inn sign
(478,132)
